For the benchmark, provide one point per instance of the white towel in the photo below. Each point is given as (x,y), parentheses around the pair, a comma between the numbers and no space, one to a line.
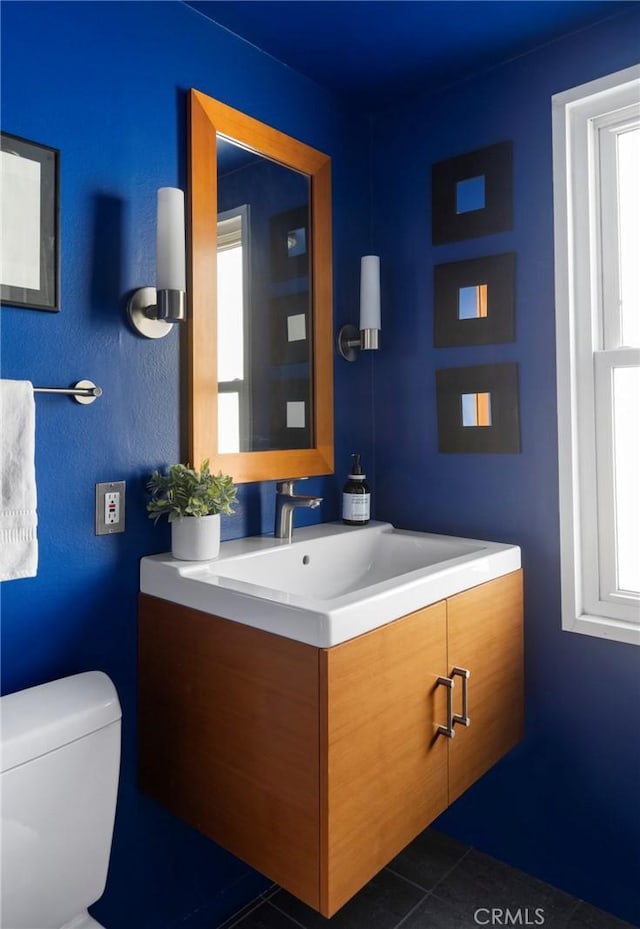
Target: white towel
(18,519)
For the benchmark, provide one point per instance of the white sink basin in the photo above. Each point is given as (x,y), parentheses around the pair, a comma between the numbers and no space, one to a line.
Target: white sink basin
(333,582)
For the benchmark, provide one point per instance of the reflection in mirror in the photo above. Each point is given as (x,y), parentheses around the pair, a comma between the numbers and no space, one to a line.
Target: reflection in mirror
(472,302)
(297,328)
(233,286)
(296,414)
(476,409)
(263,212)
(297,242)
(470,194)
(260,333)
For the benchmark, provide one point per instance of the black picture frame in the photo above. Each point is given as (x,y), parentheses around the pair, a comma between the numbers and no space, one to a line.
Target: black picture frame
(498,380)
(290,391)
(498,274)
(493,163)
(288,319)
(289,260)
(30,257)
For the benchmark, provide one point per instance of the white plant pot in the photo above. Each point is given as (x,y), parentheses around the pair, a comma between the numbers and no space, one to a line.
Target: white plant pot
(195,538)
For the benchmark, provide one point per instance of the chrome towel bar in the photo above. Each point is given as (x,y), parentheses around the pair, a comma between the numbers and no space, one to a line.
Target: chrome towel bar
(82,391)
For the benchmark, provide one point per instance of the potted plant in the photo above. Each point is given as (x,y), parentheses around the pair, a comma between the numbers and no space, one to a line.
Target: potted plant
(192,501)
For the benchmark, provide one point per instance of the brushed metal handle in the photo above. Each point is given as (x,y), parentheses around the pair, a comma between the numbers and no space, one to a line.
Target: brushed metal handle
(463,718)
(448,729)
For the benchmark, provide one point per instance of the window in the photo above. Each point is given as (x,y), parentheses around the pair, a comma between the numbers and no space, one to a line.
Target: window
(596,141)
(233,386)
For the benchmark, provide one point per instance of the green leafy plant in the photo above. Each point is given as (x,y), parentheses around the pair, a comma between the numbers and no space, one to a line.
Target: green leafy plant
(183,491)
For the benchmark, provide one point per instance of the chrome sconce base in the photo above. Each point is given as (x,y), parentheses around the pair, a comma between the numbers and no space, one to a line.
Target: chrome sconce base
(152,312)
(351,340)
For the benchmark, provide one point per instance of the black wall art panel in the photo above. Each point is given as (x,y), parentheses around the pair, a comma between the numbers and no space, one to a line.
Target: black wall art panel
(474,301)
(472,194)
(478,409)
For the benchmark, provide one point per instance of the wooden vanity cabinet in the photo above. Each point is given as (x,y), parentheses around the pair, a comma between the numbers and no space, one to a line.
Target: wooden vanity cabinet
(317,766)
(228,737)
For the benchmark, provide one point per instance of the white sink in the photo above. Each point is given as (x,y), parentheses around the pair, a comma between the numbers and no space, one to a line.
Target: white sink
(333,582)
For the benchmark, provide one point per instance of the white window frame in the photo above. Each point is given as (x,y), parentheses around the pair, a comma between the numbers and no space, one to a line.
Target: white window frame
(587,351)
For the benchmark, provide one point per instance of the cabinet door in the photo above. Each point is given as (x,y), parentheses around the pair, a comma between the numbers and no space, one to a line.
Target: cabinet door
(485,637)
(383,767)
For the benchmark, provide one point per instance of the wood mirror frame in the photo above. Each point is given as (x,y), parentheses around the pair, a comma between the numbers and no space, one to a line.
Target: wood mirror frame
(207,118)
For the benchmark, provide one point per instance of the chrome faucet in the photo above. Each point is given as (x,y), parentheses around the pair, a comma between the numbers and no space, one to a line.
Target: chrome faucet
(286,503)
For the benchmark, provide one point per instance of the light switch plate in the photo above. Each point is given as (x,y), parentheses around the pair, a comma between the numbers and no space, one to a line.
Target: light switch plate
(110,499)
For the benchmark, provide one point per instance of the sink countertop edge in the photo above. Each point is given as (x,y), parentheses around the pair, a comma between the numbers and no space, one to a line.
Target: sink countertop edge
(323,624)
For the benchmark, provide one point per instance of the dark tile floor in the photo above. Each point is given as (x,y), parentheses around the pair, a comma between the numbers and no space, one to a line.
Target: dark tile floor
(436,883)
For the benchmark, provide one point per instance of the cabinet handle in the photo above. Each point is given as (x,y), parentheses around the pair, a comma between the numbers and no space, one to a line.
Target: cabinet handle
(448,729)
(463,718)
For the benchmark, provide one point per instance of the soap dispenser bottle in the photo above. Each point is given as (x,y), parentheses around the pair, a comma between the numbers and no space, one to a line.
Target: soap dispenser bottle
(356,498)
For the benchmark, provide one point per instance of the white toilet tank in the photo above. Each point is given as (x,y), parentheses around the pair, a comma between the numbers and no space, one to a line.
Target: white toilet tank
(60,745)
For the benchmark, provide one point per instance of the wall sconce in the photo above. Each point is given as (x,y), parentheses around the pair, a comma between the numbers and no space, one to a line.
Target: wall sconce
(152,311)
(350,339)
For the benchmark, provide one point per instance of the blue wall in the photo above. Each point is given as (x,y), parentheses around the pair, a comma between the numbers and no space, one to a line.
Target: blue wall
(106,83)
(564,805)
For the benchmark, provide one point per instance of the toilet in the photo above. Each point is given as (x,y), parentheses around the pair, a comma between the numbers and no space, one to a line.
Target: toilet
(60,745)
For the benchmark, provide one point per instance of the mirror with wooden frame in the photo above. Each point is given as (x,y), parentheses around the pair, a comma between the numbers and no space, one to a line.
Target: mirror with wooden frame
(260,392)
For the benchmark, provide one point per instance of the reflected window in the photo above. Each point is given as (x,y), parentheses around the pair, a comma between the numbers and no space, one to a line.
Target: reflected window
(472,302)
(232,308)
(229,422)
(470,194)
(476,409)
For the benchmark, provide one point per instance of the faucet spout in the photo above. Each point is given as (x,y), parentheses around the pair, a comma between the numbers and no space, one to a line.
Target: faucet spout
(286,502)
